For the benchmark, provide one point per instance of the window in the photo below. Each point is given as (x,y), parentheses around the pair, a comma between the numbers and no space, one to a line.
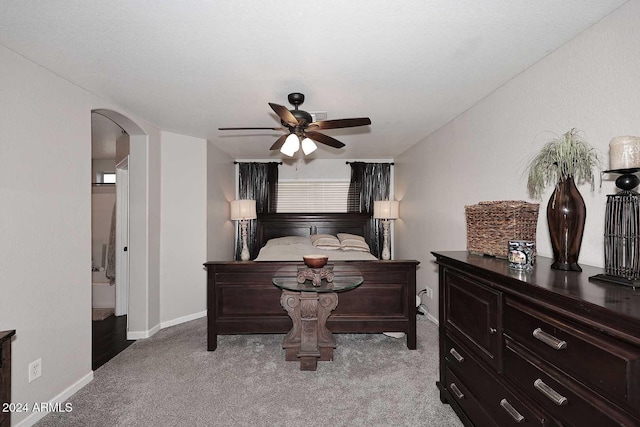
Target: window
(106,178)
(312,196)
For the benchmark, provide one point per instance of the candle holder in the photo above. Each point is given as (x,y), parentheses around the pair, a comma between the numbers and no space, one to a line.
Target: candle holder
(628,180)
(622,231)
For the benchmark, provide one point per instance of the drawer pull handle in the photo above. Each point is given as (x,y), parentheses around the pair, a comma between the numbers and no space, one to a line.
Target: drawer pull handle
(492,331)
(549,340)
(517,417)
(550,393)
(456,391)
(456,355)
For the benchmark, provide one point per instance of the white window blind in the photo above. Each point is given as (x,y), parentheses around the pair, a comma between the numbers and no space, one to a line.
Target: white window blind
(312,196)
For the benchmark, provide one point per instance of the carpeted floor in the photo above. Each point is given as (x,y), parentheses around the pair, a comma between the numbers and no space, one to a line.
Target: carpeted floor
(171,380)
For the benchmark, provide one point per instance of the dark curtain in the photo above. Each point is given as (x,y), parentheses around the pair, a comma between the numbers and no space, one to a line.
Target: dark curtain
(259,182)
(369,182)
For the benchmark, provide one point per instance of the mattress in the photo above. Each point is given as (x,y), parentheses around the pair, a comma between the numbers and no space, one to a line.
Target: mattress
(293,248)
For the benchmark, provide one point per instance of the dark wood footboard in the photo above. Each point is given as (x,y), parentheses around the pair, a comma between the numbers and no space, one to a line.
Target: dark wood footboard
(241,299)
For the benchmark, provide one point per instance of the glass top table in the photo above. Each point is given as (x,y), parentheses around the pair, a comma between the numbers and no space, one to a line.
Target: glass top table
(339,284)
(309,307)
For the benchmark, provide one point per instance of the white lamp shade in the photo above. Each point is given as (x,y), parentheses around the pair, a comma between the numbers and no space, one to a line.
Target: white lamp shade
(308,146)
(386,209)
(243,209)
(291,145)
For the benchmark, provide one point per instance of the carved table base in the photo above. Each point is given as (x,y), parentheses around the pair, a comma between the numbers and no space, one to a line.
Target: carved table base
(309,340)
(315,274)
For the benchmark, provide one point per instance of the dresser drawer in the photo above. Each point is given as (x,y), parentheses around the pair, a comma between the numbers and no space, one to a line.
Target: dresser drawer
(472,315)
(500,402)
(466,400)
(565,400)
(595,359)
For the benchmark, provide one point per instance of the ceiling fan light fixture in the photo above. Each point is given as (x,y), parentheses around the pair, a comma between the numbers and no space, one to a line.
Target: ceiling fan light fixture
(308,146)
(291,145)
(303,128)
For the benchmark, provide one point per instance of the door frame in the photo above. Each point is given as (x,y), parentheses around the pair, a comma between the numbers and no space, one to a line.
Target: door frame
(122,237)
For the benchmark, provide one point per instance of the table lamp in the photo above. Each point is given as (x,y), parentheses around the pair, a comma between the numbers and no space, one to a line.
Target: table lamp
(243,210)
(385,210)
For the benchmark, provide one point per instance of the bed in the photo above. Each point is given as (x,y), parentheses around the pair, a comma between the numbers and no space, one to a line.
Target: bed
(241,298)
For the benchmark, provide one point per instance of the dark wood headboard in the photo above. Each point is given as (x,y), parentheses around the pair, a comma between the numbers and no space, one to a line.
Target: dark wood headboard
(272,225)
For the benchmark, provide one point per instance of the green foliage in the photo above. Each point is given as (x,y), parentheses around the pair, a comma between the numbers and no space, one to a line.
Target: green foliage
(559,159)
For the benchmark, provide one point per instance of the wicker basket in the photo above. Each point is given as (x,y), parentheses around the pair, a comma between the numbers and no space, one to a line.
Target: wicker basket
(490,225)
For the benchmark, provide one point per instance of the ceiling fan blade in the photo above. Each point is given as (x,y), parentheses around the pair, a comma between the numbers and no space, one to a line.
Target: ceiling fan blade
(279,142)
(284,114)
(340,123)
(324,139)
(250,128)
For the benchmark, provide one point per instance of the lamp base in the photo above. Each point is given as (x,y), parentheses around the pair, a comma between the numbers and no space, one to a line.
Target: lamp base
(244,255)
(615,279)
(386,253)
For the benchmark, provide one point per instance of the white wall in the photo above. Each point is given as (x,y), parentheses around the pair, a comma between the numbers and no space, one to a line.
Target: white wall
(45,227)
(591,83)
(101,165)
(221,189)
(102,202)
(154,230)
(183,227)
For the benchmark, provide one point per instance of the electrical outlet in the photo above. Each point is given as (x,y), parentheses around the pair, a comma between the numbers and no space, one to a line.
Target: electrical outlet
(429,292)
(35,369)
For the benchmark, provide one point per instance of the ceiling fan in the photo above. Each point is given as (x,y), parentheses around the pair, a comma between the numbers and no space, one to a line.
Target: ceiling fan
(302,129)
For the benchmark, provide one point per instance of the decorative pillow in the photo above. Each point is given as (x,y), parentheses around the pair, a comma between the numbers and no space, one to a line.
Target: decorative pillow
(352,242)
(287,240)
(325,241)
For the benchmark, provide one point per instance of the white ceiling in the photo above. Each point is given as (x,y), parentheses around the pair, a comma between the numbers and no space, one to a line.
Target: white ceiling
(192,66)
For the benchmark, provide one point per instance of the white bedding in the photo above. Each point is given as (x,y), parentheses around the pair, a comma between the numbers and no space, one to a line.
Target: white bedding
(294,247)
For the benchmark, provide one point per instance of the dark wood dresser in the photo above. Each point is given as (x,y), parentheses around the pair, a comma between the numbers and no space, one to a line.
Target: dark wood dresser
(5,377)
(545,347)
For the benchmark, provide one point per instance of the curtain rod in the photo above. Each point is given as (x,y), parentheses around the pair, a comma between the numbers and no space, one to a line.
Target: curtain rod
(392,164)
(235,163)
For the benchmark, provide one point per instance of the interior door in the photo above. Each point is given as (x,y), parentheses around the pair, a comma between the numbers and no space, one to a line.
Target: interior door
(122,237)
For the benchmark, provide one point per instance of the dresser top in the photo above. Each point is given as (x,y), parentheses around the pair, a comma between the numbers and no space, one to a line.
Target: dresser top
(5,335)
(567,285)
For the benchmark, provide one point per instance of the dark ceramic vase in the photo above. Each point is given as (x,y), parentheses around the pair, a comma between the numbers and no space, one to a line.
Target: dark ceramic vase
(566,214)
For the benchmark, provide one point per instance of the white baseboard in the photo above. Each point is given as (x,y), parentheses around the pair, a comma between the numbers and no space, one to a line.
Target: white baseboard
(183,319)
(59,399)
(140,335)
(131,335)
(432,319)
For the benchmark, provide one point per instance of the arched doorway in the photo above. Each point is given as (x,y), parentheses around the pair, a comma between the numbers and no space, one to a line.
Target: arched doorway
(128,282)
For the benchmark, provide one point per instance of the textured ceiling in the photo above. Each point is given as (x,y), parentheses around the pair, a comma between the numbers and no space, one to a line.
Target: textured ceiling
(192,66)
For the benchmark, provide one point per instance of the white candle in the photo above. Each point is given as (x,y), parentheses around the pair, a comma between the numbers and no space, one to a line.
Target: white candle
(624,152)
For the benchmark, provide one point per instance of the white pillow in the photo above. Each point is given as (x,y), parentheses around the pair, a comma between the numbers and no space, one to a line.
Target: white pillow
(347,236)
(287,240)
(325,241)
(352,242)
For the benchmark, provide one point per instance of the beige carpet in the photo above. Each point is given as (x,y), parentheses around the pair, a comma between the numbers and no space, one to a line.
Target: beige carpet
(101,313)
(171,379)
